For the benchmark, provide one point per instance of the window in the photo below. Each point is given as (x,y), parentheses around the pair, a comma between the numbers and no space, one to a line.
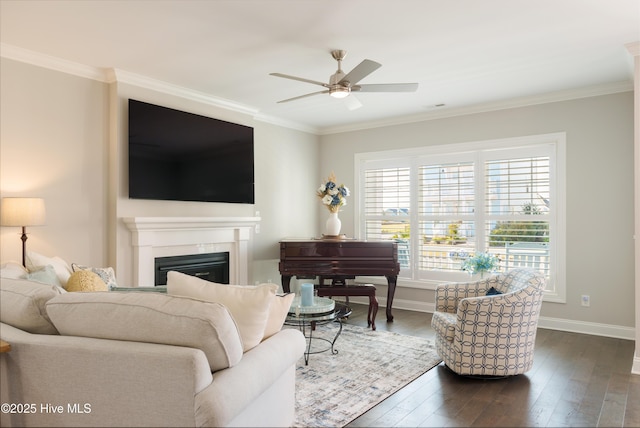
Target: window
(442,204)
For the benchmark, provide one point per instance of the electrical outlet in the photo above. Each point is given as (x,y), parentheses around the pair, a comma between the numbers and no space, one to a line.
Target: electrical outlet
(586,300)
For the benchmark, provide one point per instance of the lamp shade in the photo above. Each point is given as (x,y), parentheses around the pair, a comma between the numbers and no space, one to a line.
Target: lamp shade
(22,212)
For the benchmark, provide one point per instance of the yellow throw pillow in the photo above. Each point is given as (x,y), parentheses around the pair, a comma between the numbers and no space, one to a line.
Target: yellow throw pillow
(85,280)
(107,274)
(248,305)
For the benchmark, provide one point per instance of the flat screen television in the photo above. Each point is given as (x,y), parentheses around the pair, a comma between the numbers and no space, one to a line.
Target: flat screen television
(180,156)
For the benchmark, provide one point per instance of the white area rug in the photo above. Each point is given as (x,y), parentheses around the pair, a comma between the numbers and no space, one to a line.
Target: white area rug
(334,389)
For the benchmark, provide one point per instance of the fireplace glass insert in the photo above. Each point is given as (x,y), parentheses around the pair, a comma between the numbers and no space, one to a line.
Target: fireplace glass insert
(212,267)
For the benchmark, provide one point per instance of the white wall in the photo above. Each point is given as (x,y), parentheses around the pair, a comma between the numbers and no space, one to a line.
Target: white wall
(600,216)
(53,144)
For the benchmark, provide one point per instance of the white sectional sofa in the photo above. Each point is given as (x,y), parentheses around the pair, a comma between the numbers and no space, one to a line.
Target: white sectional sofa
(137,359)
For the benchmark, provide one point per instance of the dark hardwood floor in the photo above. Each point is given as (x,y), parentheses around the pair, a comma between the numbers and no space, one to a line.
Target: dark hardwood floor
(577,380)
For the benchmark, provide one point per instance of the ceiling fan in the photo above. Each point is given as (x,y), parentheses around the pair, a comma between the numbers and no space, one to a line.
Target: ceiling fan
(341,85)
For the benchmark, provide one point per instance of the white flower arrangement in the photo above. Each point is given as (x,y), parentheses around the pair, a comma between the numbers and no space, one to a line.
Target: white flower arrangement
(332,195)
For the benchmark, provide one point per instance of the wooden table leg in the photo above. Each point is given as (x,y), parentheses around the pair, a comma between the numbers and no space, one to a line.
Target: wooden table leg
(286,281)
(391,291)
(373,311)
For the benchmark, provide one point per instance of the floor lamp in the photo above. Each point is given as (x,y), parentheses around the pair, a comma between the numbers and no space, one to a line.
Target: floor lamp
(22,212)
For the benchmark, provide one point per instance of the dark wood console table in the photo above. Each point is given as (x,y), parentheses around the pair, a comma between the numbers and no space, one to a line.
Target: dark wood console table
(340,259)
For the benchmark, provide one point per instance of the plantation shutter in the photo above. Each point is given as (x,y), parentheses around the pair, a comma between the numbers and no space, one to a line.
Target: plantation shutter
(446,214)
(387,201)
(517,211)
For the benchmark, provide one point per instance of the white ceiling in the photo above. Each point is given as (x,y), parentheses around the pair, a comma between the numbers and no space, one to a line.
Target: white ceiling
(463,53)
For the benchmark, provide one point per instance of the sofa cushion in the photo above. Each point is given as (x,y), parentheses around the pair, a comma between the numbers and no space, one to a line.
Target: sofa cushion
(151,318)
(22,305)
(249,305)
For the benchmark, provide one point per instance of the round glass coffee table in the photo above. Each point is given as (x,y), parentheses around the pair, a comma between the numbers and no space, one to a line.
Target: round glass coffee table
(306,318)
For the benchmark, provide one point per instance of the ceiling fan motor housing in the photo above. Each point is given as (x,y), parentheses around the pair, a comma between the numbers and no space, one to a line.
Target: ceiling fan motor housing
(338,89)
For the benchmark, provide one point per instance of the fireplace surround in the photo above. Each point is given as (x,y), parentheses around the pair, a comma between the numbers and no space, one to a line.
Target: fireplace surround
(155,237)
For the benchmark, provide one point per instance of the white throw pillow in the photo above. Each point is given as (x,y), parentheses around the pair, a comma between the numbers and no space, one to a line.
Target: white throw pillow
(22,305)
(278,313)
(35,260)
(12,270)
(248,305)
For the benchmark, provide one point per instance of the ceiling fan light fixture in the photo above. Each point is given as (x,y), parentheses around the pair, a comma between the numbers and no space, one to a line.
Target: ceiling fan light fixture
(339,91)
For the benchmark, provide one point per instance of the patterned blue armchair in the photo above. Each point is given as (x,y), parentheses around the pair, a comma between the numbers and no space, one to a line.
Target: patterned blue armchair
(491,335)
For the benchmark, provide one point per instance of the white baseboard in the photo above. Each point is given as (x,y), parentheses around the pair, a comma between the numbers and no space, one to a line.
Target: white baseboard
(635,368)
(596,329)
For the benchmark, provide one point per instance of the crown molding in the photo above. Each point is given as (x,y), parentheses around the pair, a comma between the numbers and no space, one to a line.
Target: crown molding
(122,76)
(110,75)
(50,62)
(551,97)
(273,120)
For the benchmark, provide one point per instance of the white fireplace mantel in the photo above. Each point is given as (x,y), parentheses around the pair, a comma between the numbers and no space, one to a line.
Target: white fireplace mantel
(153,237)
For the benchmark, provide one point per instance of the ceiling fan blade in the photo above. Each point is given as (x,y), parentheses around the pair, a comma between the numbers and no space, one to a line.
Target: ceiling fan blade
(300,79)
(361,71)
(386,87)
(352,103)
(303,96)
